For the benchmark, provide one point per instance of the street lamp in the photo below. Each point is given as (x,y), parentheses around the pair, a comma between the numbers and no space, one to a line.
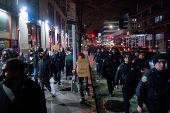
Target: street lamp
(111,26)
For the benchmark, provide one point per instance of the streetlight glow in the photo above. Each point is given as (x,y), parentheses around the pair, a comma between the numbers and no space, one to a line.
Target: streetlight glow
(24,8)
(111,26)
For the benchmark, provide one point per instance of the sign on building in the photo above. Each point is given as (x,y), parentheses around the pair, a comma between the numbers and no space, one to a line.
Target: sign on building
(71,11)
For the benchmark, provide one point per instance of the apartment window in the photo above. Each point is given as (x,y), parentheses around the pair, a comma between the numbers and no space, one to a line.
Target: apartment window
(156,19)
(133,20)
(159,18)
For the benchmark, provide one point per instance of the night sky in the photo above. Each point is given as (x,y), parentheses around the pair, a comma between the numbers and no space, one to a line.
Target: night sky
(107,9)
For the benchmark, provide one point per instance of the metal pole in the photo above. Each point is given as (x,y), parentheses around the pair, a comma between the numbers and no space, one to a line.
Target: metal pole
(74,45)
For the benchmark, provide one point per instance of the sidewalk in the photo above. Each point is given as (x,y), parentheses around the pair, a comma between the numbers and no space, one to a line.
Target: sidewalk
(106,104)
(67,101)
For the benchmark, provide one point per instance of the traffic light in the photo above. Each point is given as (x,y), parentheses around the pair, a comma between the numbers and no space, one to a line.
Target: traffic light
(92,35)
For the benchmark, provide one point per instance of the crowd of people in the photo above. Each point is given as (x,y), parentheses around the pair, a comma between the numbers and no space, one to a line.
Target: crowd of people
(132,70)
(19,93)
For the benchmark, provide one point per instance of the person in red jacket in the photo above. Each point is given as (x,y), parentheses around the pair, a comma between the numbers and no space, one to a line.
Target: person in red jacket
(81,80)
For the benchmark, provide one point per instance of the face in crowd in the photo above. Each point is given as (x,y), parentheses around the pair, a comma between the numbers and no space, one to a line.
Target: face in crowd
(160,65)
(141,56)
(127,59)
(5,56)
(102,50)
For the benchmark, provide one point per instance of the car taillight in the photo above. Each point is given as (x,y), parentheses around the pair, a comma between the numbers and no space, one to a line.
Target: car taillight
(150,50)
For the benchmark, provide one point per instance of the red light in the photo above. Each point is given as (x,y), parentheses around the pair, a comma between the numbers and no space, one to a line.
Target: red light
(150,50)
(128,49)
(92,35)
(124,46)
(143,47)
(110,36)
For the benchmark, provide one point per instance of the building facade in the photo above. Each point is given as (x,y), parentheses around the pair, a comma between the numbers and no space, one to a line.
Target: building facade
(42,23)
(8,25)
(153,17)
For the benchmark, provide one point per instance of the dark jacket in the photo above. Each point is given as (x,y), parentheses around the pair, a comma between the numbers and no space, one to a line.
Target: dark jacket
(44,69)
(56,63)
(154,87)
(100,58)
(30,67)
(22,58)
(126,73)
(140,64)
(109,67)
(36,59)
(28,98)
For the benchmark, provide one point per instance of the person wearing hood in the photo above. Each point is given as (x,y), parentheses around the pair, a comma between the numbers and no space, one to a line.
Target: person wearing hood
(5,57)
(141,64)
(108,71)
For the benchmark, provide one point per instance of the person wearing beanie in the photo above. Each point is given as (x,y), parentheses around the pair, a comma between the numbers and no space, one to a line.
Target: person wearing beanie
(141,64)
(108,71)
(81,80)
(154,88)
(127,74)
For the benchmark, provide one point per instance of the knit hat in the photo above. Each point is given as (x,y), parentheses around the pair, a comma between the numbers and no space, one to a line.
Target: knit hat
(158,58)
(126,55)
(142,53)
(81,54)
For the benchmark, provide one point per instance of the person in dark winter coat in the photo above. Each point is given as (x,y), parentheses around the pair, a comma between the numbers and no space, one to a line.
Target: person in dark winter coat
(21,57)
(100,59)
(30,62)
(62,55)
(108,71)
(141,64)
(95,59)
(56,64)
(18,93)
(44,72)
(154,88)
(127,74)
(36,59)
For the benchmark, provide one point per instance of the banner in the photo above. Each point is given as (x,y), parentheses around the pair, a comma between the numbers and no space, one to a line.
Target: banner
(71,11)
(83,67)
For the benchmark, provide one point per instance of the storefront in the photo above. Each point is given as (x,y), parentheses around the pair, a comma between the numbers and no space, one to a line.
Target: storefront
(159,42)
(8,28)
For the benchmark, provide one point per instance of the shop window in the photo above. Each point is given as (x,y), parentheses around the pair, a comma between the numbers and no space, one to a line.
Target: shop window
(14,28)
(133,20)
(4,25)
